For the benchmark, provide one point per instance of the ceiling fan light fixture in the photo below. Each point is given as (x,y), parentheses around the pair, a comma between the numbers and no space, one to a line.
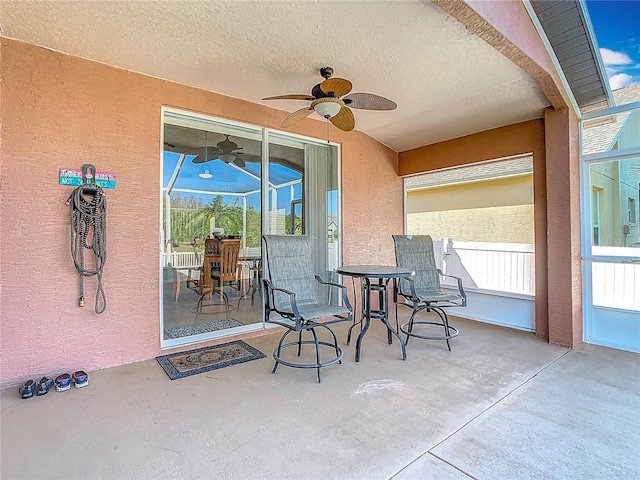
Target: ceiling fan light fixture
(227,157)
(327,109)
(206,174)
(329,101)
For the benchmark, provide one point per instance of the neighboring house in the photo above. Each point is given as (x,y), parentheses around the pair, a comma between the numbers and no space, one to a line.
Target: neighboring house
(615,185)
(331,229)
(486,202)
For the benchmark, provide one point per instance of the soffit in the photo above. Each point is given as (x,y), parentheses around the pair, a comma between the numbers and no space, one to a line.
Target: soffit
(446,81)
(568,30)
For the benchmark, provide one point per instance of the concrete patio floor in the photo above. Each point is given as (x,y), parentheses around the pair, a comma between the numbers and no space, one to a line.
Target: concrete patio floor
(502,405)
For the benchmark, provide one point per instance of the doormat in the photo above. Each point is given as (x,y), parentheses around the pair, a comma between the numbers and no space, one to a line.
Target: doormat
(200,360)
(197,328)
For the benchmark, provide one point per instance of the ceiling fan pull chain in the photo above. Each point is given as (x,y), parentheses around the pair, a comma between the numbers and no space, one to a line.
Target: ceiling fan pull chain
(327,119)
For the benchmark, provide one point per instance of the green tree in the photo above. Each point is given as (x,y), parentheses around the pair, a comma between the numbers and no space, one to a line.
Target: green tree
(228,216)
(190,218)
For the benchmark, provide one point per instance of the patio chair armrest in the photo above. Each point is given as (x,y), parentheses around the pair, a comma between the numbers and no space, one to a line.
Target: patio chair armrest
(345,297)
(270,288)
(412,287)
(460,288)
(329,283)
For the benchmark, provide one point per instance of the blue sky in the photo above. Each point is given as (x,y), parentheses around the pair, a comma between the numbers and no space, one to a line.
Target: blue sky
(616,24)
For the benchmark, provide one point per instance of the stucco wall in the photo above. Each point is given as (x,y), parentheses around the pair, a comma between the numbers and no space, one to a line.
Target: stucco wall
(512,224)
(494,210)
(61,111)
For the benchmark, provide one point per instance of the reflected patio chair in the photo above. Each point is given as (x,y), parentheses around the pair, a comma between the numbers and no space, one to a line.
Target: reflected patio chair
(227,271)
(423,291)
(250,284)
(224,272)
(189,267)
(291,300)
(196,271)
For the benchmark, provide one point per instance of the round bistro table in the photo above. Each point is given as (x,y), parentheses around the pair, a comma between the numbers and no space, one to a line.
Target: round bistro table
(367,275)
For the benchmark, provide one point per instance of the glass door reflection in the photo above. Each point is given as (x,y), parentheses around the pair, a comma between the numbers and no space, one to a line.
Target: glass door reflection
(211,194)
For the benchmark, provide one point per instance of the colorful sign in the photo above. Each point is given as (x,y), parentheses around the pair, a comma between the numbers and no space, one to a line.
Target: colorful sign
(73,178)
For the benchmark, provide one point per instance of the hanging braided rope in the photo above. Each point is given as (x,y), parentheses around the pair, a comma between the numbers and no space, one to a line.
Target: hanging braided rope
(89,219)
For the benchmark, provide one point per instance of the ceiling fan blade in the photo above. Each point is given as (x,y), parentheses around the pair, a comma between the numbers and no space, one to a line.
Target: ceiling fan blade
(248,157)
(201,159)
(169,147)
(339,86)
(296,96)
(344,119)
(212,153)
(238,162)
(296,116)
(369,101)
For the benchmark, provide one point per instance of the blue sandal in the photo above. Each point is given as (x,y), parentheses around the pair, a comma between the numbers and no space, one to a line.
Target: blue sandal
(26,389)
(80,379)
(44,385)
(63,382)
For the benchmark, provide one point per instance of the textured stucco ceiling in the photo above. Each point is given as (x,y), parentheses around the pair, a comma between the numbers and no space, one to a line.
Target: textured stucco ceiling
(447,82)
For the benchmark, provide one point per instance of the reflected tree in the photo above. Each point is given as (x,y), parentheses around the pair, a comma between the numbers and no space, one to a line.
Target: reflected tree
(191,218)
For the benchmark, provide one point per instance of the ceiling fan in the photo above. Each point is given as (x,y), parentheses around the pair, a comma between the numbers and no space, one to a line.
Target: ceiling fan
(226,151)
(329,101)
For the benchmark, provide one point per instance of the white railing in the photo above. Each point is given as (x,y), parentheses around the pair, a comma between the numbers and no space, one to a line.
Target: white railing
(510,267)
(503,267)
(616,285)
(189,259)
(181,259)
(332,256)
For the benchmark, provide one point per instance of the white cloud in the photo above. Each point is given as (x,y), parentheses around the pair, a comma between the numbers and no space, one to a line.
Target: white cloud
(610,57)
(620,80)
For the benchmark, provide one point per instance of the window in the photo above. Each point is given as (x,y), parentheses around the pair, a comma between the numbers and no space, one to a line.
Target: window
(595,216)
(631,211)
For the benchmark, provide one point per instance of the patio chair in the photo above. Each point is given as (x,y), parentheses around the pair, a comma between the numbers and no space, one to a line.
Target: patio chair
(291,300)
(253,280)
(227,271)
(423,291)
(224,272)
(196,269)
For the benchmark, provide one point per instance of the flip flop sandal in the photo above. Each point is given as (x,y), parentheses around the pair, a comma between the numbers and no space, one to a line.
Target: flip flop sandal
(26,389)
(63,382)
(44,385)
(80,379)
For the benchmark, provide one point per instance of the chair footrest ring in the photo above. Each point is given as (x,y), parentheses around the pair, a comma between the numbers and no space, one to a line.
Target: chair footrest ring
(214,309)
(308,365)
(453,331)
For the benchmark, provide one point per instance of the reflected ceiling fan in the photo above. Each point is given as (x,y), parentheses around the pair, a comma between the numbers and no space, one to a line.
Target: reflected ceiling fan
(226,151)
(329,101)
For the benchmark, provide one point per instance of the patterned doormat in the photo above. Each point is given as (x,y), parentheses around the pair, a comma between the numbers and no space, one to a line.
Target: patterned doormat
(200,360)
(197,328)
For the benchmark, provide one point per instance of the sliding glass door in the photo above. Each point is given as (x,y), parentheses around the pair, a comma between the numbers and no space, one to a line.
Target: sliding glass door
(225,183)
(309,204)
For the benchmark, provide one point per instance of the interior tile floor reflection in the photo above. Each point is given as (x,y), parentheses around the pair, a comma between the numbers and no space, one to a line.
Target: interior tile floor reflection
(244,308)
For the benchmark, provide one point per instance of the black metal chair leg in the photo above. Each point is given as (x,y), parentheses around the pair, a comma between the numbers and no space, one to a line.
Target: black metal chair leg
(276,353)
(335,341)
(445,324)
(315,338)
(410,329)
